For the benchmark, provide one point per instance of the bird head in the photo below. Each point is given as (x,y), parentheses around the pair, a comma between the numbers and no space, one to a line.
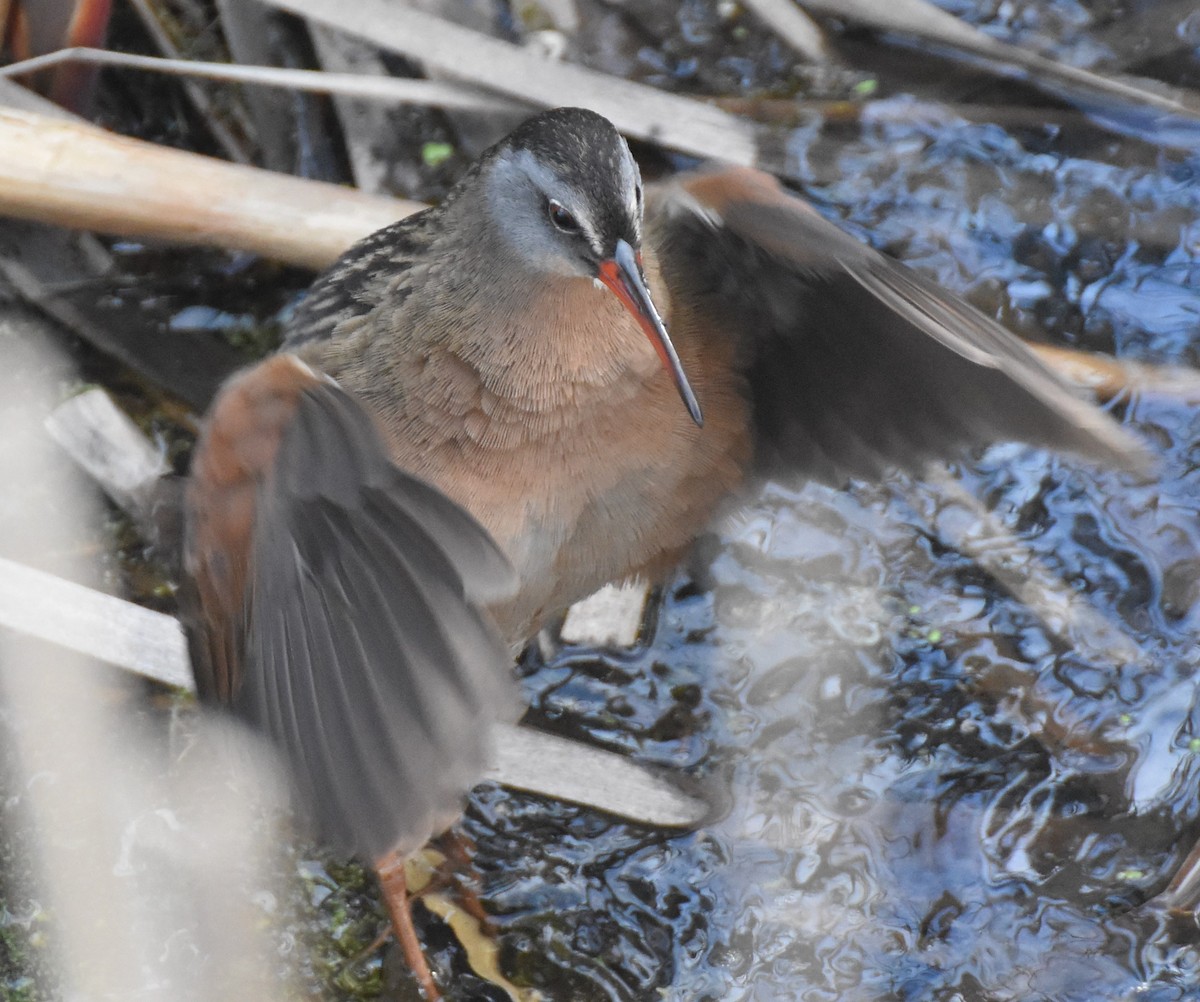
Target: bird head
(565,193)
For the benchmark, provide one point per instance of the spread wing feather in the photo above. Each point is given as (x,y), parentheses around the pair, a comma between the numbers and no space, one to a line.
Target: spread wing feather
(853,363)
(365,657)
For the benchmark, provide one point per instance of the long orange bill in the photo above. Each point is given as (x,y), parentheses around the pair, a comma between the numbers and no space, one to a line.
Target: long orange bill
(622,274)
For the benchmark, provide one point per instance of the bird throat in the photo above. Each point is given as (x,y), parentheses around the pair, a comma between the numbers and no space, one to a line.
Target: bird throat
(542,408)
(531,359)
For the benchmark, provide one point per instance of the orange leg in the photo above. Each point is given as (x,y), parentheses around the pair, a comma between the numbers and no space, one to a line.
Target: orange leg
(34,27)
(73,83)
(16,32)
(458,850)
(395,892)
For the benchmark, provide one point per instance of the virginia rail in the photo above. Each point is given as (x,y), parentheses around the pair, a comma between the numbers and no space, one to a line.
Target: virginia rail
(504,344)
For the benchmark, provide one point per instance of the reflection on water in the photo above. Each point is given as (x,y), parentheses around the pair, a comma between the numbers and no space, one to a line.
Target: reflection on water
(956,753)
(952,729)
(930,793)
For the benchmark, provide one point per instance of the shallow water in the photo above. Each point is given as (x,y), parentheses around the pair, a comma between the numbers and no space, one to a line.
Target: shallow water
(940,780)
(950,724)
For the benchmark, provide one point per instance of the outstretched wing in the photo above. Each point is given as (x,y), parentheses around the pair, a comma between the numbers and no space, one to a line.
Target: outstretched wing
(334,606)
(854,363)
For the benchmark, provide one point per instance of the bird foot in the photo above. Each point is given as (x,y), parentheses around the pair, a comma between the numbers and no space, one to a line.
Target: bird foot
(394,883)
(463,879)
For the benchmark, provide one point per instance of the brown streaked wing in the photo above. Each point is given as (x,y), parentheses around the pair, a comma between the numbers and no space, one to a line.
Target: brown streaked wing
(374,270)
(854,363)
(365,657)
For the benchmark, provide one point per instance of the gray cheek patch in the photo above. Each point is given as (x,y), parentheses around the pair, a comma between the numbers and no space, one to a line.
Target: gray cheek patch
(519,180)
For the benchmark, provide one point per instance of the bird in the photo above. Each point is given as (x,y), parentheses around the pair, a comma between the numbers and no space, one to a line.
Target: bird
(556,378)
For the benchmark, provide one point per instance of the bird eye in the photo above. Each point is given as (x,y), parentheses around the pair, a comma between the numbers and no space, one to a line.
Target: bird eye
(561,218)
